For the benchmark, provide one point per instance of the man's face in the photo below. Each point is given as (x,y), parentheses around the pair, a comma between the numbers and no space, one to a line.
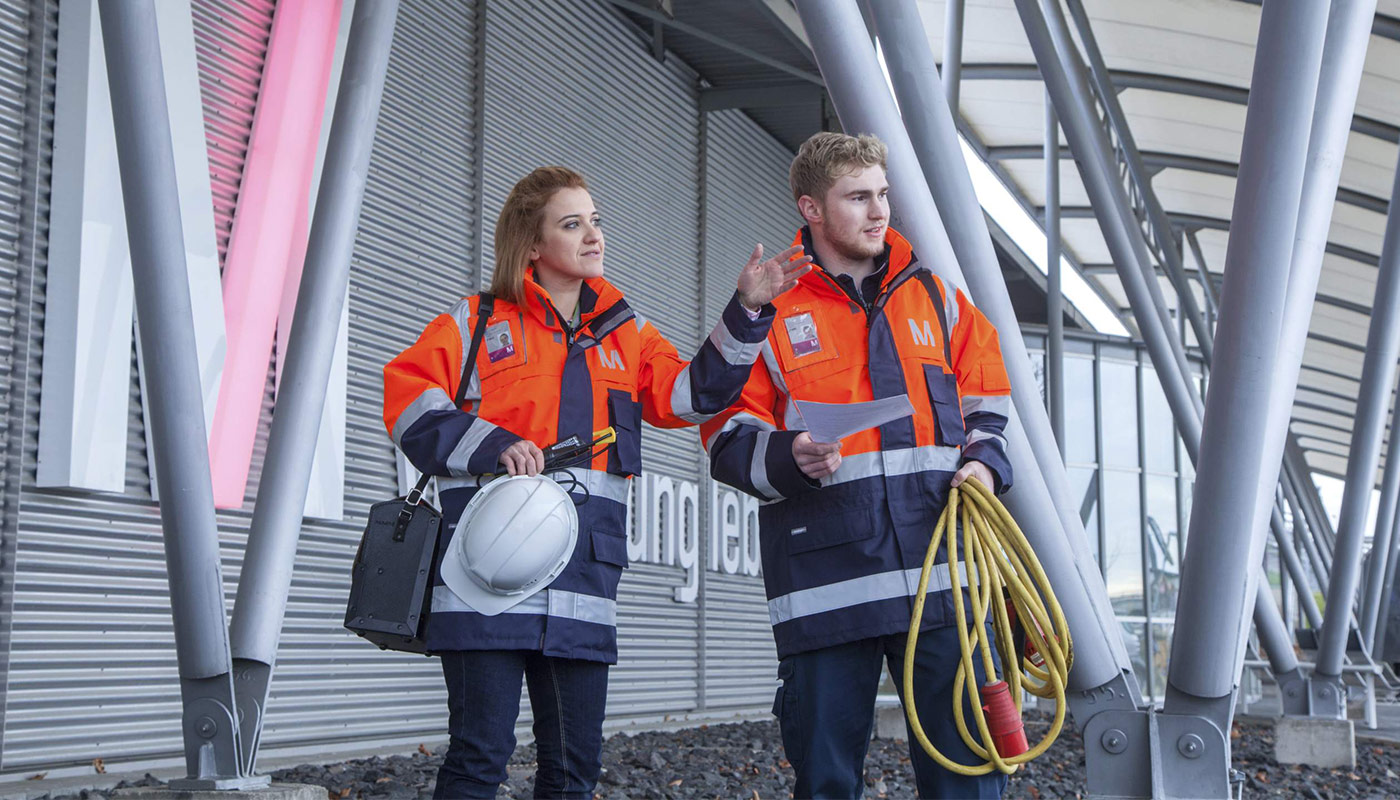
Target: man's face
(854,214)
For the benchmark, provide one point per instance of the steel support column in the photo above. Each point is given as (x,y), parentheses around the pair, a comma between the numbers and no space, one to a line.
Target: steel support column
(952,51)
(1318,520)
(276,525)
(1377,377)
(1378,649)
(853,76)
(1234,484)
(1054,291)
(1277,643)
(165,323)
(1303,531)
(934,138)
(1293,565)
(1380,539)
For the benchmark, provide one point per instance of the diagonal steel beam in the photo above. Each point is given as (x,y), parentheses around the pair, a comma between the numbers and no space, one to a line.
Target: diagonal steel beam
(1152,222)
(1151,81)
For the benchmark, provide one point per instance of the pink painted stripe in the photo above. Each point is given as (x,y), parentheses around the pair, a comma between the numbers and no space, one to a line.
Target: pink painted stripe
(276,182)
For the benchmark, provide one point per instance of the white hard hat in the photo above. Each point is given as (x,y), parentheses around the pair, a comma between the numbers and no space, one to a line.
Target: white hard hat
(513,539)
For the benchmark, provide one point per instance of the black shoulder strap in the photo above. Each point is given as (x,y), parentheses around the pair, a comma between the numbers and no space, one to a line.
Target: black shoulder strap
(926,278)
(486,303)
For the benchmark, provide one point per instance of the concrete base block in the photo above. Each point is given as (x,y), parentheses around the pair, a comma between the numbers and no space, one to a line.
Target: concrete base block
(889,723)
(277,791)
(1316,742)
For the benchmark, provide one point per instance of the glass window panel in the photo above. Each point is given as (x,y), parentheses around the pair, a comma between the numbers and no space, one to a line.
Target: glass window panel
(1161,652)
(1135,642)
(1120,419)
(1080,444)
(1158,425)
(1084,491)
(1163,549)
(1038,369)
(1123,542)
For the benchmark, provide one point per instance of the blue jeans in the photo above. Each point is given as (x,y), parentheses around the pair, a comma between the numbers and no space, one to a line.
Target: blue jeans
(826,705)
(567,697)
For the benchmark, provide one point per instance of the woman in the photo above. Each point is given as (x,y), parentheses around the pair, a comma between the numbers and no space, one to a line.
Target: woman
(563,355)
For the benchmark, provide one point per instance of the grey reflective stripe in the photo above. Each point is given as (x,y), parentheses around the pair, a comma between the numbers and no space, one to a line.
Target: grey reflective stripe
(552,602)
(992,404)
(598,483)
(758,470)
(775,371)
(466,447)
(895,462)
(978,435)
(434,399)
(682,402)
(741,418)
(582,607)
(461,314)
(733,350)
(950,294)
(858,591)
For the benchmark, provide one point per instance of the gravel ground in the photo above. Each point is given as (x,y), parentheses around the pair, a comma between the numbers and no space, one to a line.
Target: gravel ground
(745,761)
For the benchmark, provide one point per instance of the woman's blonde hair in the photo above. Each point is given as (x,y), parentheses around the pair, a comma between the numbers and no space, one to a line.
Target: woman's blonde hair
(827,156)
(518,227)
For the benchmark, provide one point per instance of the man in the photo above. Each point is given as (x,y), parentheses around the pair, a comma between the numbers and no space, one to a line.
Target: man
(845,526)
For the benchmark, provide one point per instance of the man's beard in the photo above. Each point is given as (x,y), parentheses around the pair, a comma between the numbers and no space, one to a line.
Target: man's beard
(859,248)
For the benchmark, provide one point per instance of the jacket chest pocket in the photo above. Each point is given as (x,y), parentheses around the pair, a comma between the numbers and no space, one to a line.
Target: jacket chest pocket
(625,417)
(503,349)
(947,412)
(805,339)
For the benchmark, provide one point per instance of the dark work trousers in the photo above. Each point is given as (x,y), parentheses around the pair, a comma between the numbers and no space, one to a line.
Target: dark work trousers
(826,704)
(567,697)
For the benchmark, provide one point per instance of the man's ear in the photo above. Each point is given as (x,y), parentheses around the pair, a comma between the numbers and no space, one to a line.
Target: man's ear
(809,208)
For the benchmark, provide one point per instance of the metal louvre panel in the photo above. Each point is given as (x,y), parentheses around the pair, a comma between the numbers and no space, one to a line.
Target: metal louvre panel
(28,57)
(231,43)
(741,661)
(658,659)
(566,84)
(92,616)
(555,95)
(747,201)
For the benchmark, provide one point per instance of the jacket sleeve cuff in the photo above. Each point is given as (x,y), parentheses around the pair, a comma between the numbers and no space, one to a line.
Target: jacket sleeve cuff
(746,326)
(486,459)
(995,458)
(784,476)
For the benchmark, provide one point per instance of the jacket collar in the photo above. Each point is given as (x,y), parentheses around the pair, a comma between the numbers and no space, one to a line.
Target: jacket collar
(898,255)
(596,297)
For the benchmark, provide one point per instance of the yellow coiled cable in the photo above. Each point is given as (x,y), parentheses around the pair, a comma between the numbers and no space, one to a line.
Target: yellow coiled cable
(1000,562)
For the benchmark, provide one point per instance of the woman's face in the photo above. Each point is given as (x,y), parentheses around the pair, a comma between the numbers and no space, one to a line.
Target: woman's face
(571,237)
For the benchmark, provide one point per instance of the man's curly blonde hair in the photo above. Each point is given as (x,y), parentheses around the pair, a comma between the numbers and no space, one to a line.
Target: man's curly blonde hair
(824,157)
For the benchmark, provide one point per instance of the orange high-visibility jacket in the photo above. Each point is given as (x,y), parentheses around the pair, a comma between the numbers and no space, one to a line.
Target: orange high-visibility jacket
(539,380)
(841,557)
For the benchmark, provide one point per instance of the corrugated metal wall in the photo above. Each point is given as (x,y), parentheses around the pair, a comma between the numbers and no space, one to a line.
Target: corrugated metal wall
(747,202)
(28,58)
(91,668)
(571,84)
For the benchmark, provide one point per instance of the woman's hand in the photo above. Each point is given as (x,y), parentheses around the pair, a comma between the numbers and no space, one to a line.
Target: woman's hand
(761,281)
(523,458)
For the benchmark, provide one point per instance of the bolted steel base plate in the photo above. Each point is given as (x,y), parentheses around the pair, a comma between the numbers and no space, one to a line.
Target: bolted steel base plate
(241,783)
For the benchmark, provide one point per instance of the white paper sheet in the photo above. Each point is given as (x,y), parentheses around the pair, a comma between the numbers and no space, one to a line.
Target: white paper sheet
(830,422)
